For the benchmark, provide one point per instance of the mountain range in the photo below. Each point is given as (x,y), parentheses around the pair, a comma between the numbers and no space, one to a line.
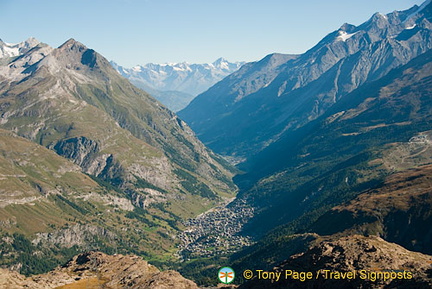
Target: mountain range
(264,100)
(176,84)
(313,131)
(290,121)
(332,153)
(90,161)
(11,50)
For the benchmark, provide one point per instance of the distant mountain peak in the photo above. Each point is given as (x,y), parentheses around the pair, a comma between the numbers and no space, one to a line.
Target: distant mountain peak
(16,49)
(312,81)
(379,20)
(72,44)
(32,41)
(219,61)
(348,27)
(182,77)
(73,51)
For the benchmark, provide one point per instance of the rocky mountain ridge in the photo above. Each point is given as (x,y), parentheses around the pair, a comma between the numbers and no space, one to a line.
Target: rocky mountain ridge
(70,72)
(137,169)
(12,50)
(370,122)
(298,89)
(98,270)
(176,84)
(352,262)
(185,77)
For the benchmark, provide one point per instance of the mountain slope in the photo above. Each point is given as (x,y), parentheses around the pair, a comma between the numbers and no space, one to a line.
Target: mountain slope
(50,210)
(253,107)
(73,102)
(398,211)
(30,176)
(310,143)
(53,101)
(355,109)
(393,214)
(353,146)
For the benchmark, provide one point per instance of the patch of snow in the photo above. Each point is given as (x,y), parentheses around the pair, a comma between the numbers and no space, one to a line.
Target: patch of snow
(223,65)
(185,77)
(382,15)
(10,44)
(136,68)
(179,68)
(411,27)
(10,50)
(15,49)
(345,36)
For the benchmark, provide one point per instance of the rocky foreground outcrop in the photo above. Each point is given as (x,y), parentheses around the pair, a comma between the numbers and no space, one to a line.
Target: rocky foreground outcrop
(98,270)
(350,262)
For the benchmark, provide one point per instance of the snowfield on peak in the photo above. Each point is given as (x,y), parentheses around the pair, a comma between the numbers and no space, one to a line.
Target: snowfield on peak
(345,36)
(184,77)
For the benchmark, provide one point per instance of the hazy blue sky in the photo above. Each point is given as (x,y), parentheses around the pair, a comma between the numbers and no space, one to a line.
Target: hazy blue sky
(134,32)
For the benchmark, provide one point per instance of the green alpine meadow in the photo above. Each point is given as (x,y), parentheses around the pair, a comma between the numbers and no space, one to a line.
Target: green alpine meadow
(297,170)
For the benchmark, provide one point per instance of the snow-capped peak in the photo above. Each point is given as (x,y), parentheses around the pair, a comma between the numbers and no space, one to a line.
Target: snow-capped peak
(221,63)
(185,77)
(16,49)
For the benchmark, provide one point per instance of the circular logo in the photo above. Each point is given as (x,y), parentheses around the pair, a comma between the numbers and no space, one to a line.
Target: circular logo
(226,275)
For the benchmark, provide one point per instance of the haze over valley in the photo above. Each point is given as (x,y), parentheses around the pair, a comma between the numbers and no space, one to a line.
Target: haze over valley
(305,170)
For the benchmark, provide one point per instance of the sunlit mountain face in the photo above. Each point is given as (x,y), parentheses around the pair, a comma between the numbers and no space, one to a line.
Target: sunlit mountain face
(317,163)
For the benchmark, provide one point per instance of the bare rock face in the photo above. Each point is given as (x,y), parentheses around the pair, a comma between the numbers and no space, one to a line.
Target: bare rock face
(98,270)
(11,279)
(78,234)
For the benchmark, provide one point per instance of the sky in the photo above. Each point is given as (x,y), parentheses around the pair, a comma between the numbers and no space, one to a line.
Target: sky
(132,32)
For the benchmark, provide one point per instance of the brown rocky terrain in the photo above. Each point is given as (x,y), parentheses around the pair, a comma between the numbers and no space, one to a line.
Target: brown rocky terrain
(90,162)
(377,232)
(399,211)
(98,270)
(353,262)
